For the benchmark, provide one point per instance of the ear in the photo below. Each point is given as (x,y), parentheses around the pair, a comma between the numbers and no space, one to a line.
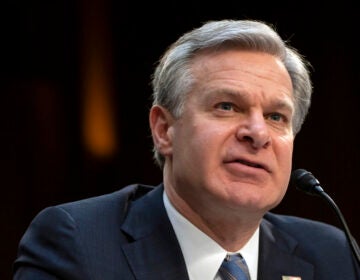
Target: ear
(161,129)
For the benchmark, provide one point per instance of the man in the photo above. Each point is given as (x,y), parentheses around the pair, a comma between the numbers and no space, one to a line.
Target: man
(229,98)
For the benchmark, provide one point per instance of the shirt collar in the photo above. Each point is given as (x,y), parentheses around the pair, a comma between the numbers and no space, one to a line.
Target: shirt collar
(203,256)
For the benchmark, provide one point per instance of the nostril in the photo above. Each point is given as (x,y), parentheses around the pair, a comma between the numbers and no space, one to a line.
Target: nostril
(256,141)
(247,138)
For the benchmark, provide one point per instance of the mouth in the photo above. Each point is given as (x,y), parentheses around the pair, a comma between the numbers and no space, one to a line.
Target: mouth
(253,164)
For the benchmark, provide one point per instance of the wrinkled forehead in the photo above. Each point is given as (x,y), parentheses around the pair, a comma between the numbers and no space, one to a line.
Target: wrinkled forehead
(239,66)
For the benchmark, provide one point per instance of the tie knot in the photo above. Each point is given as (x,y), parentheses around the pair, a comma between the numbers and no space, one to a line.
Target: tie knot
(234,268)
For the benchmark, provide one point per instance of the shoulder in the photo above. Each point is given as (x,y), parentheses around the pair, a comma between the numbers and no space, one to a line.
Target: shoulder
(127,193)
(86,222)
(308,233)
(98,214)
(320,244)
(304,229)
(294,224)
(69,239)
(94,209)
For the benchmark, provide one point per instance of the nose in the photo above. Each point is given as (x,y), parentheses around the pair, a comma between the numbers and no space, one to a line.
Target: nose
(254,130)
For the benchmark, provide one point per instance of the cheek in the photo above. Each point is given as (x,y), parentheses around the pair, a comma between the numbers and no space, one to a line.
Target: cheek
(284,153)
(284,146)
(200,134)
(198,144)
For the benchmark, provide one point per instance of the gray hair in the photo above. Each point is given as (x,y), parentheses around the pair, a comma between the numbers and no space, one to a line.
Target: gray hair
(173,79)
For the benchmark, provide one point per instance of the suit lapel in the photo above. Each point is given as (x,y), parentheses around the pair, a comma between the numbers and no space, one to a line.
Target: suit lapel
(155,252)
(277,258)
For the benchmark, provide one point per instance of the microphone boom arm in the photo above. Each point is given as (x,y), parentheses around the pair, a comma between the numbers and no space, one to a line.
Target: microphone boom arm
(306,182)
(353,245)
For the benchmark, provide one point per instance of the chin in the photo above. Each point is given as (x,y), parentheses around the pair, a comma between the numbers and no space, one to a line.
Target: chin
(260,204)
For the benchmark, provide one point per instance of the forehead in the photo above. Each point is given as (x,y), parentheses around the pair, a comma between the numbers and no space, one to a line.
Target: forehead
(267,65)
(244,71)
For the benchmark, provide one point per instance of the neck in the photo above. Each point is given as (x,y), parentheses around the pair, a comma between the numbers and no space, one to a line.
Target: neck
(230,231)
(230,237)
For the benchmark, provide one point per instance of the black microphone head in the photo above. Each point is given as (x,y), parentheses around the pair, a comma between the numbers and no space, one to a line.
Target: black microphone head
(305,181)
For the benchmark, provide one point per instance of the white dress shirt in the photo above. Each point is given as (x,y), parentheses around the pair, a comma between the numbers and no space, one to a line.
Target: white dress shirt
(203,256)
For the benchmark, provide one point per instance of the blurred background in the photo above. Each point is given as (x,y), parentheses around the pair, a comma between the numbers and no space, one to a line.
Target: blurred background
(76,96)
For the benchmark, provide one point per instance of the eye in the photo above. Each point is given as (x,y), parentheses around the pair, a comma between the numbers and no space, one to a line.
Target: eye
(226,106)
(277,117)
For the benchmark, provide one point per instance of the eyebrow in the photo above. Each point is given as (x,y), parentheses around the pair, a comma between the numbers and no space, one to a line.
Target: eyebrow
(280,103)
(284,104)
(229,92)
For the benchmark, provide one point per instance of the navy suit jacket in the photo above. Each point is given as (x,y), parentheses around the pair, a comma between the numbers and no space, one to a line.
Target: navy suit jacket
(127,235)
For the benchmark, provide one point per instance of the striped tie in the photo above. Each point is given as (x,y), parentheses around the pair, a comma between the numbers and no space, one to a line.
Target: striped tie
(234,268)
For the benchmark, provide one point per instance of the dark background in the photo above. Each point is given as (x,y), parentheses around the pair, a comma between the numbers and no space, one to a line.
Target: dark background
(74,67)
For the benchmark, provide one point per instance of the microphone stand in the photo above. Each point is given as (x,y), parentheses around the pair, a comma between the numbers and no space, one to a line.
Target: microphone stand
(355,249)
(305,181)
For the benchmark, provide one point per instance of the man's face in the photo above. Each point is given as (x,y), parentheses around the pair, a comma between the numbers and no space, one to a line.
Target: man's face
(232,147)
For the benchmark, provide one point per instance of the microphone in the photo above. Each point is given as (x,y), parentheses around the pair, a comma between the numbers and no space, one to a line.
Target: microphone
(305,181)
